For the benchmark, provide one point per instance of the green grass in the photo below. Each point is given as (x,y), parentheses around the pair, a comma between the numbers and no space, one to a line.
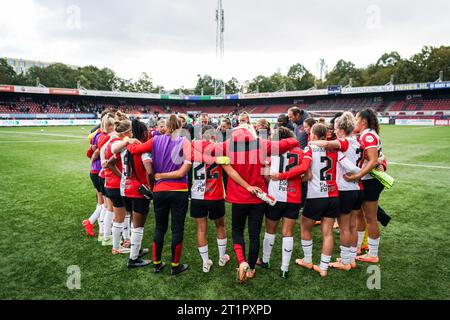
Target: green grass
(46,193)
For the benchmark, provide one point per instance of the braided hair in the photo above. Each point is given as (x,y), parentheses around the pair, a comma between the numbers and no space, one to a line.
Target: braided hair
(140,132)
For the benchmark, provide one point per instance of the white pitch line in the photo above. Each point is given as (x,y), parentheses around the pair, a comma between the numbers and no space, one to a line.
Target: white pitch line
(44,134)
(38,141)
(418,165)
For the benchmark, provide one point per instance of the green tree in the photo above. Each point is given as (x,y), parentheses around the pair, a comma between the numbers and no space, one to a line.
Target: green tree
(144,84)
(342,72)
(300,77)
(56,75)
(7,73)
(232,86)
(209,85)
(380,73)
(260,84)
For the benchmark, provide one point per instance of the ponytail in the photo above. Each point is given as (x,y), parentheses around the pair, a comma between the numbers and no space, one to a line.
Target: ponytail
(122,123)
(107,122)
(320,131)
(371,118)
(173,124)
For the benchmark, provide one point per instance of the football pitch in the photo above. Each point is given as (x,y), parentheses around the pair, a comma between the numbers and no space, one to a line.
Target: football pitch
(46,193)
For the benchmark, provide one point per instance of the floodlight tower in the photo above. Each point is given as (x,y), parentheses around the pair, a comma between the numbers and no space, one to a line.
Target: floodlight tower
(220,30)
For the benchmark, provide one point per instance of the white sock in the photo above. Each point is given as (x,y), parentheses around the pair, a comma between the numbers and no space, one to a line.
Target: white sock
(117,234)
(345,255)
(373,247)
(204,253)
(324,261)
(95,215)
(360,238)
(287,247)
(100,220)
(269,240)
(136,242)
(107,224)
(222,244)
(126,228)
(353,252)
(307,246)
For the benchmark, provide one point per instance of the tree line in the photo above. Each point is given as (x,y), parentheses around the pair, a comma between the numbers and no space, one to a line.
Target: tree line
(424,66)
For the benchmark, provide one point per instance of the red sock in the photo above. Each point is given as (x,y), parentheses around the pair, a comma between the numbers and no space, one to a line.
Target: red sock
(177,253)
(239,253)
(154,252)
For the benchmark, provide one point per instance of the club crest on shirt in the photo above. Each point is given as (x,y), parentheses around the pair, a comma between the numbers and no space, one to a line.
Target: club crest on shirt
(369,139)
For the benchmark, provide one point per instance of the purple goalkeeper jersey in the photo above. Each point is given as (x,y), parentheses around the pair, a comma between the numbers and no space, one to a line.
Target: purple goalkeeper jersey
(96,166)
(168,156)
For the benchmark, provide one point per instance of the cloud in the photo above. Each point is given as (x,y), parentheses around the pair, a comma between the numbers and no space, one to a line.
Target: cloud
(174,40)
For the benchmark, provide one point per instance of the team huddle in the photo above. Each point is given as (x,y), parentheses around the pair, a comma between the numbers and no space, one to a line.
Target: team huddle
(264,174)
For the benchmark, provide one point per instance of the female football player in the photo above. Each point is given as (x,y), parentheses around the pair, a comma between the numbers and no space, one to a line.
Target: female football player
(369,129)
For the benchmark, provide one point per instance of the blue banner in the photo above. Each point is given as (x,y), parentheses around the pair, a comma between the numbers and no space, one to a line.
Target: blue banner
(334,89)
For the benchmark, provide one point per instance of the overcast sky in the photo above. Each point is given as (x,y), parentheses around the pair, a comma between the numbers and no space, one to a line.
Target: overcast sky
(174,40)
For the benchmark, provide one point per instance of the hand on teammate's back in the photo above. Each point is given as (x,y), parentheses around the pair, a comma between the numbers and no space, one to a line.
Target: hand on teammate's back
(275,176)
(254,190)
(350,177)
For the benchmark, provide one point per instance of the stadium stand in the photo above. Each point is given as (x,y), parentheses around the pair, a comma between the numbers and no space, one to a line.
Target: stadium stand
(406,105)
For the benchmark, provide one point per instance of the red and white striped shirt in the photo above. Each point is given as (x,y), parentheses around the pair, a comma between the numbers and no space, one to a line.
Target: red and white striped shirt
(287,189)
(112,180)
(207,177)
(354,155)
(323,168)
(369,139)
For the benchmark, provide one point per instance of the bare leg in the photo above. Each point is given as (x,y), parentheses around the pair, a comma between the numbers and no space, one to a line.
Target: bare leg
(202,227)
(221,230)
(327,236)
(370,213)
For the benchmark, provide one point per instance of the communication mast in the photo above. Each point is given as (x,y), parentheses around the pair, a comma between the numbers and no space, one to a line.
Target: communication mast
(220,30)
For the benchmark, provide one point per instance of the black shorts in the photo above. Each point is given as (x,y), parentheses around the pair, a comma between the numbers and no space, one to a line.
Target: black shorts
(372,189)
(350,200)
(318,208)
(96,182)
(214,209)
(283,210)
(116,198)
(101,182)
(139,205)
